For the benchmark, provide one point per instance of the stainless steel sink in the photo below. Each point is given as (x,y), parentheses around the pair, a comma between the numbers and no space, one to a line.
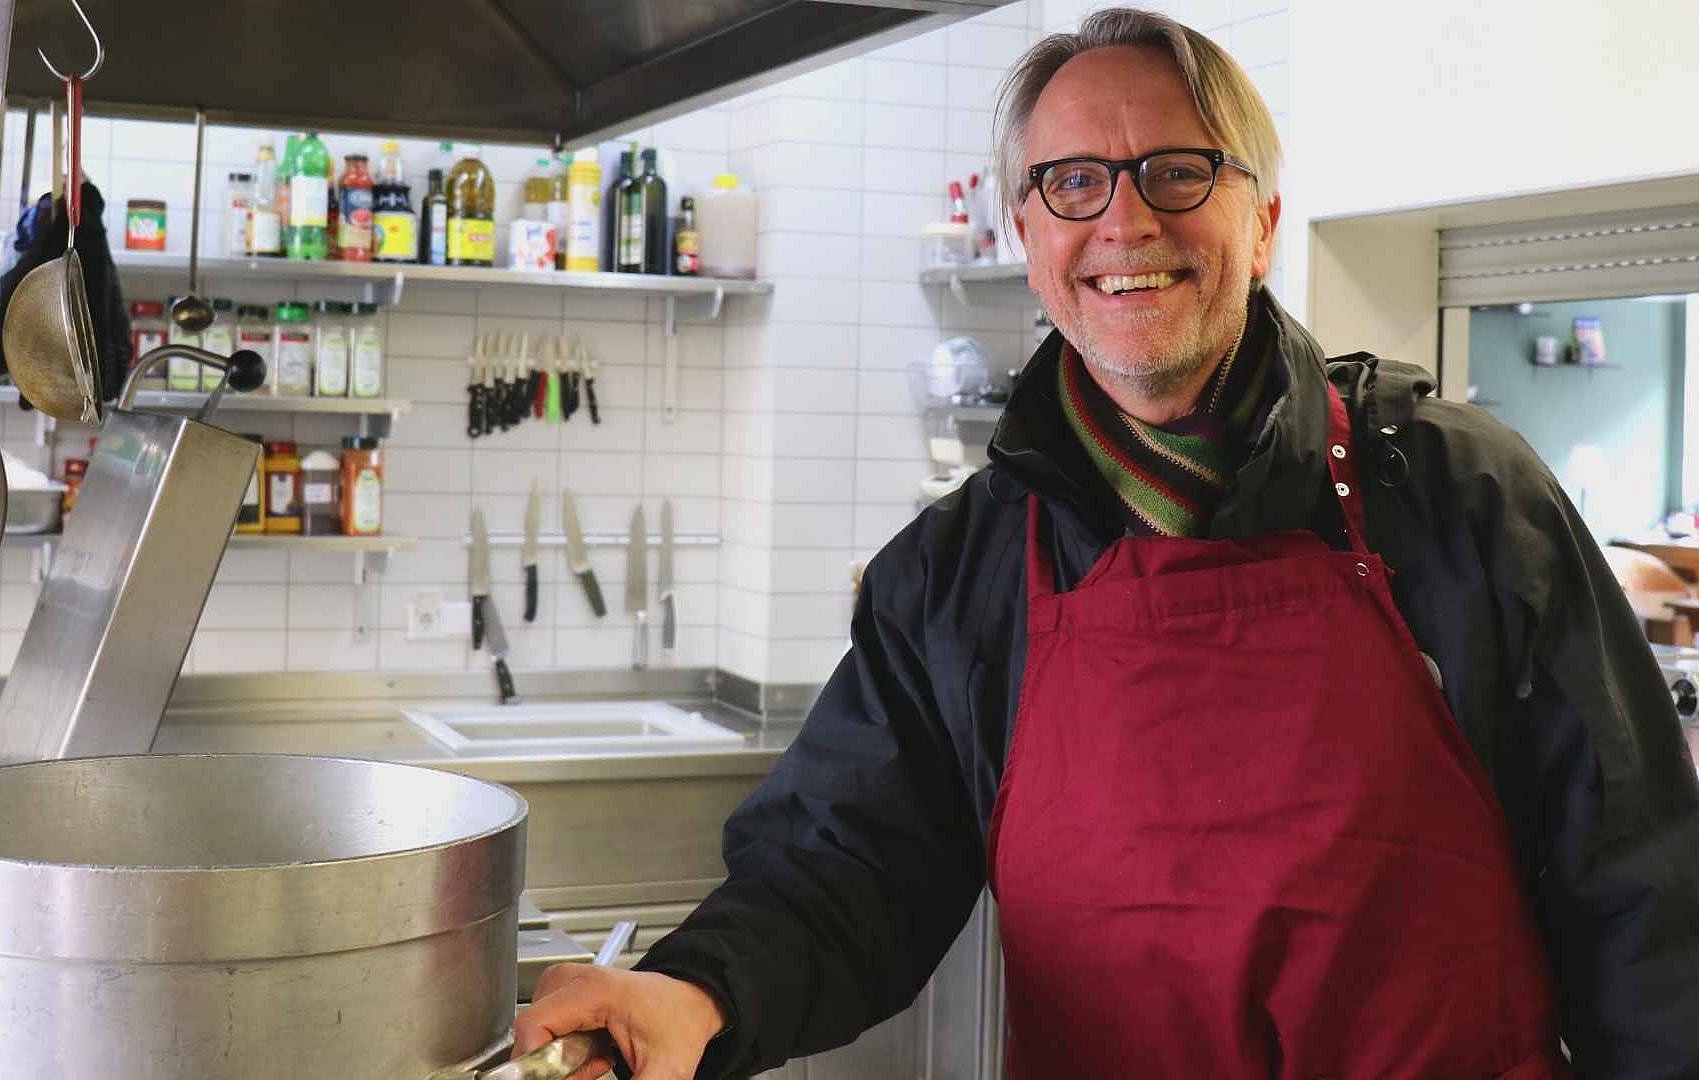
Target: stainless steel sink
(565,728)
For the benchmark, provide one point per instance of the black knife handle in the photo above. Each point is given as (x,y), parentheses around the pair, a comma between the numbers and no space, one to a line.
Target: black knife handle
(593,591)
(504,682)
(531,593)
(669,621)
(474,411)
(590,400)
(477,623)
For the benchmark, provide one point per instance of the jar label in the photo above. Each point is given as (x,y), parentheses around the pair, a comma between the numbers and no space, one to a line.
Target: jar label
(332,365)
(368,366)
(294,363)
(144,230)
(317,494)
(471,240)
(309,202)
(368,502)
(265,232)
(280,495)
(395,235)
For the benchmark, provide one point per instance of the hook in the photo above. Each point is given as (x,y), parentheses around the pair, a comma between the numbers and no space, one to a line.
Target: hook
(99,49)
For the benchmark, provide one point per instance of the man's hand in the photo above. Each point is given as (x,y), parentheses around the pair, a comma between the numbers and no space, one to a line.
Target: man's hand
(660,1024)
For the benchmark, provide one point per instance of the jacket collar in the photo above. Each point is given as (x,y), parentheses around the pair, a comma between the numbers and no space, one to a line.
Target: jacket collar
(1277,487)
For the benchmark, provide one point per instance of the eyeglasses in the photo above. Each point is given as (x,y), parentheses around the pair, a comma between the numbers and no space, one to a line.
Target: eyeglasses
(1170,181)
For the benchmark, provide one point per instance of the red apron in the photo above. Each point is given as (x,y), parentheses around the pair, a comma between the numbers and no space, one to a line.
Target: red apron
(1240,835)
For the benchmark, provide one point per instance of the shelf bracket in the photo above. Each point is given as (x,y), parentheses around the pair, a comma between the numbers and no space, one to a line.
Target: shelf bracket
(44,426)
(369,567)
(959,290)
(719,302)
(396,286)
(41,562)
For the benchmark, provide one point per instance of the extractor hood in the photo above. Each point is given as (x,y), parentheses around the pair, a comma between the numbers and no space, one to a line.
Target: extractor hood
(526,71)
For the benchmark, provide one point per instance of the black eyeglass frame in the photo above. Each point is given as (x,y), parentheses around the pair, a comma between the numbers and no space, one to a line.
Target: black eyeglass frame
(1216,159)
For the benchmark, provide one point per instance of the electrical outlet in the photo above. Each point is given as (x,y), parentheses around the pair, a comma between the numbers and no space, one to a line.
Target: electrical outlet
(431,618)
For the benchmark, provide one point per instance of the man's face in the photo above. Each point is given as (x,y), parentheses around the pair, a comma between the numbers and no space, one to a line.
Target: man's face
(1121,102)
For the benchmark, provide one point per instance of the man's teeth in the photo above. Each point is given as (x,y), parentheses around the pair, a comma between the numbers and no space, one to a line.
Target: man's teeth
(1120,283)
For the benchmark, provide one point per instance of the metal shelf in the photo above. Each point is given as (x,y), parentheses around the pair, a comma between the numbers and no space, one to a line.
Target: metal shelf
(966,281)
(180,401)
(976,414)
(280,542)
(555,540)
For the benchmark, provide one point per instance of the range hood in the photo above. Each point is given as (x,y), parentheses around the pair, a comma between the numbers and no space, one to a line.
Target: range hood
(524,71)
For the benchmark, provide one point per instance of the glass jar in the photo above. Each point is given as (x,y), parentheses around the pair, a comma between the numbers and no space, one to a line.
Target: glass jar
(218,338)
(321,502)
(294,377)
(144,225)
(330,349)
(181,373)
(147,333)
(365,352)
(362,486)
(282,469)
(255,333)
(251,517)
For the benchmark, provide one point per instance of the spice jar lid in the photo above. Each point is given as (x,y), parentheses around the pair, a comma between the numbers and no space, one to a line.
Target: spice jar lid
(288,312)
(223,304)
(320,461)
(359,442)
(146,204)
(147,309)
(360,307)
(282,446)
(332,307)
(257,311)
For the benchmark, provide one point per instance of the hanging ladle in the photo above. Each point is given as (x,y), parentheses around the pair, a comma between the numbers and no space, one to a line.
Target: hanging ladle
(191,313)
(49,334)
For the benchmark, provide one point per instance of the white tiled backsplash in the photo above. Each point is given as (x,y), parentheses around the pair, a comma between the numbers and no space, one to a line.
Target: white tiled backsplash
(797,442)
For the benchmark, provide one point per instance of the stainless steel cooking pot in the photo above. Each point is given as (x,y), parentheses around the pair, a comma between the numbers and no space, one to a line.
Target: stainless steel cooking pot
(250,916)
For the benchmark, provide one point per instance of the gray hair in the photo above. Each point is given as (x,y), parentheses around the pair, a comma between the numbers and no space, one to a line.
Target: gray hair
(1232,110)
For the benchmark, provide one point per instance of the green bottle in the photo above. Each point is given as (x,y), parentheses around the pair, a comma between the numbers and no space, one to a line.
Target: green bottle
(630,243)
(309,200)
(286,172)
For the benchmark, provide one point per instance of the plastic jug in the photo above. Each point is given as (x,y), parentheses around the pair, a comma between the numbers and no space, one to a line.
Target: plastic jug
(725,218)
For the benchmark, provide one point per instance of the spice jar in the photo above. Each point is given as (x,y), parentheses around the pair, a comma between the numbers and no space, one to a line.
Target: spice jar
(282,488)
(365,379)
(330,349)
(321,507)
(144,225)
(147,333)
(182,374)
(294,377)
(362,486)
(251,517)
(254,333)
(218,338)
(75,470)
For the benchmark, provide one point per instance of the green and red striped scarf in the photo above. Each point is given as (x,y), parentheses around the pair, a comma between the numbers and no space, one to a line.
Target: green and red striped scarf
(1168,478)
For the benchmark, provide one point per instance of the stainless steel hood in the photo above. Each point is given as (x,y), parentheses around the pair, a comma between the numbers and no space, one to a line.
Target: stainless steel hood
(524,71)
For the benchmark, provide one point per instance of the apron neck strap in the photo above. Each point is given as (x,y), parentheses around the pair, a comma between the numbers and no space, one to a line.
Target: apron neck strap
(1342,465)
(1040,577)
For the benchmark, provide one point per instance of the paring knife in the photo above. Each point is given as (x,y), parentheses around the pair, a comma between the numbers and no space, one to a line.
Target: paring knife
(669,602)
(528,553)
(577,558)
(637,588)
(479,575)
(498,652)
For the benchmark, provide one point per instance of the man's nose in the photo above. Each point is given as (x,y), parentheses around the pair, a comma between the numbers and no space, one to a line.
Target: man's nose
(1128,219)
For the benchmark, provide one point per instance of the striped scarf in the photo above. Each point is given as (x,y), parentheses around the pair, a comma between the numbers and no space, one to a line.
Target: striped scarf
(1169,478)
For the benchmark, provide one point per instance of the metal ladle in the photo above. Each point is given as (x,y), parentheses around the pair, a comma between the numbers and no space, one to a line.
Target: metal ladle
(191,313)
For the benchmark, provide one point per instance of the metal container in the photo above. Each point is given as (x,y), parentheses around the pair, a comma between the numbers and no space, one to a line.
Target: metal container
(253,916)
(33,510)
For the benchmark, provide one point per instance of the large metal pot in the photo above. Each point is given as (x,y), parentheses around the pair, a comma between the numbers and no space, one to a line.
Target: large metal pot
(248,916)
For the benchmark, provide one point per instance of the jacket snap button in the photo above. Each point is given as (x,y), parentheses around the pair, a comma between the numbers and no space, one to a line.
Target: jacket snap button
(1338,451)
(1362,569)
(1390,429)
(1343,489)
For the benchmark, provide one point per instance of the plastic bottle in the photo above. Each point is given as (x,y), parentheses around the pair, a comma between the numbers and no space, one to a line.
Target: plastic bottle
(611,211)
(265,225)
(330,349)
(584,212)
(254,331)
(433,223)
(395,229)
(539,185)
(471,212)
(726,218)
(285,178)
(354,190)
(294,377)
(362,486)
(559,211)
(218,338)
(365,352)
(309,201)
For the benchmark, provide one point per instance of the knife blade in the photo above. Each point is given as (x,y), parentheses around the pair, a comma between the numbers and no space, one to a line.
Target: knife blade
(498,652)
(637,587)
(669,602)
(479,576)
(577,558)
(528,553)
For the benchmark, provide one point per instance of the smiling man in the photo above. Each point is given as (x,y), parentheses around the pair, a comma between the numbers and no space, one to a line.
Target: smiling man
(1290,714)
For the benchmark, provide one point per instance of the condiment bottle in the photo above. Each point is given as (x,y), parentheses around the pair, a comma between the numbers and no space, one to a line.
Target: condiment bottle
(321,505)
(330,349)
(629,259)
(362,486)
(471,212)
(255,333)
(75,470)
(251,517)
(365,352)
(538,189)
(354,190)
(218,338)
(282,488)
(433,223)
(612,212)
(657,245)
(265,225)
(395,229)
(294,376)
(306,234)
(687,250)
(147,333)
(559,209)
(182,374)
(286,184)
(238,206)
(583,226)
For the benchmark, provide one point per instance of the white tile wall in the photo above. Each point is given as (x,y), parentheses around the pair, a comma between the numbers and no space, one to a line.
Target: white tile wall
(798,440)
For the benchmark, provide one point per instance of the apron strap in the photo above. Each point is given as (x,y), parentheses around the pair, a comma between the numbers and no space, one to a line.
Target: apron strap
(1342,464)
(1040,577)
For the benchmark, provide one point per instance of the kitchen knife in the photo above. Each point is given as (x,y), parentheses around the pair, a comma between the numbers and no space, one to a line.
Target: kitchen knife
(479,576)
(637,588)
(498,652)
(577,558)
(528,553)
(669,603)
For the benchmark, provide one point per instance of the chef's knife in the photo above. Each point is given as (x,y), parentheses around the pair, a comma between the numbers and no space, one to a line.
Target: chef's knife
(498,652)
(669,603)
(577,558)
(637,587)
(528,553)
(479,576)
